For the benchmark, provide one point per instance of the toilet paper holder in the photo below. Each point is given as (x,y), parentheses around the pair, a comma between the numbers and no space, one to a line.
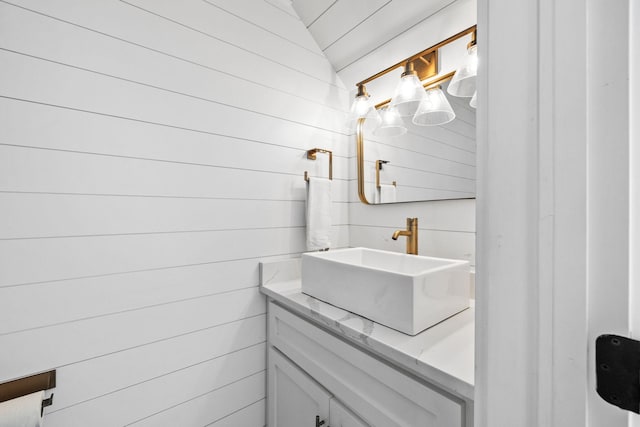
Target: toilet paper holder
(27,385)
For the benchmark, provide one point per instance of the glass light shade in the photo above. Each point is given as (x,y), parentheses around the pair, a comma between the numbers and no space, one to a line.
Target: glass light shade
(463,82)
(408,95)
(391,123)
(362,107)
(474,100)
(434,110)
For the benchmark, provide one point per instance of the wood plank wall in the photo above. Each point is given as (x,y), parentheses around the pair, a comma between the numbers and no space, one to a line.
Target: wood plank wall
(151,154)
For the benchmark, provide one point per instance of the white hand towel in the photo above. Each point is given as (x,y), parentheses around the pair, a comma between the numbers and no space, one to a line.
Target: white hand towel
(318,213)
(386,193)
(22,411)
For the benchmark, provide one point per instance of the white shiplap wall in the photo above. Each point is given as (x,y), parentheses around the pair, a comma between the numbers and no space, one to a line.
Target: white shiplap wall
(151,154)
(446,228)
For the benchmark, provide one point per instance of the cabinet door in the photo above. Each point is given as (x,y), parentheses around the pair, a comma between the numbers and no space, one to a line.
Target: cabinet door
(340,416)
(382,396)
(294,398)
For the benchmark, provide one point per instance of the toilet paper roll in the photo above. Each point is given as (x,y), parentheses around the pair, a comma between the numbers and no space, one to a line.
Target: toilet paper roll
(23,411)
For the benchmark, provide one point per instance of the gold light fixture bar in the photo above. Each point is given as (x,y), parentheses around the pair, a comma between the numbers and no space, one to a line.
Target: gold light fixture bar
(428,85)
(424,66)
(473,41)
(423,56)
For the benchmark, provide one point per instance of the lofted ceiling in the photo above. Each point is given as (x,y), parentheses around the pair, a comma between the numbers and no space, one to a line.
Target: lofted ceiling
(347,31)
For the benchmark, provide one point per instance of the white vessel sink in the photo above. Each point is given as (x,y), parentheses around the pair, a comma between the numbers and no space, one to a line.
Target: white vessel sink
(409,293)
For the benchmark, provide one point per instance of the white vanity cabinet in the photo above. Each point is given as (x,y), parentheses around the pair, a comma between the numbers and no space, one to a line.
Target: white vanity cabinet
(314,372)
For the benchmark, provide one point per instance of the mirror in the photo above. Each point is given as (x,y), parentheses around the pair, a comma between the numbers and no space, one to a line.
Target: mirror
(426,162)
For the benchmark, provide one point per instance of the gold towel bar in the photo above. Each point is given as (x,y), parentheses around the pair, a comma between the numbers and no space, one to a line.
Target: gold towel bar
(379,164)
(27,385)
(311,155)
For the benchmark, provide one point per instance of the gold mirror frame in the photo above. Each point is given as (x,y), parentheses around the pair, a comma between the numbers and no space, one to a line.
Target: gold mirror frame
(360,158)
(361,121)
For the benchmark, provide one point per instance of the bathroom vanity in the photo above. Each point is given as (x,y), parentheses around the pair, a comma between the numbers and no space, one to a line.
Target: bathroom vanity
(330,367)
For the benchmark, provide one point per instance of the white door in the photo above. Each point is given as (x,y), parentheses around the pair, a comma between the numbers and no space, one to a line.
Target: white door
(558,206)
(295,399)
(634,161)
(613,215)
(340,416)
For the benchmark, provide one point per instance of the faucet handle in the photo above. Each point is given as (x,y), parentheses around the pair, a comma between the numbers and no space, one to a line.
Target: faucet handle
(412,224)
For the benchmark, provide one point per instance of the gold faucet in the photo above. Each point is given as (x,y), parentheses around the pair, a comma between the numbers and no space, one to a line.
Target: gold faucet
(412,235)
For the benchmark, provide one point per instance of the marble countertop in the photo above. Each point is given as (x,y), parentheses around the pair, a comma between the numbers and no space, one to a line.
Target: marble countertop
(442,355)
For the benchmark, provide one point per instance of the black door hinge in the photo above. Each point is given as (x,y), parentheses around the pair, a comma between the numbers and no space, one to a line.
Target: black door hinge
(618,371)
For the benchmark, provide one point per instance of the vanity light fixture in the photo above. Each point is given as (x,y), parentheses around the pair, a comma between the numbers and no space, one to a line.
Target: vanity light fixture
(434,109)
(409,92)
(391,123)
(463,83)
(474,100)
(426,103)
